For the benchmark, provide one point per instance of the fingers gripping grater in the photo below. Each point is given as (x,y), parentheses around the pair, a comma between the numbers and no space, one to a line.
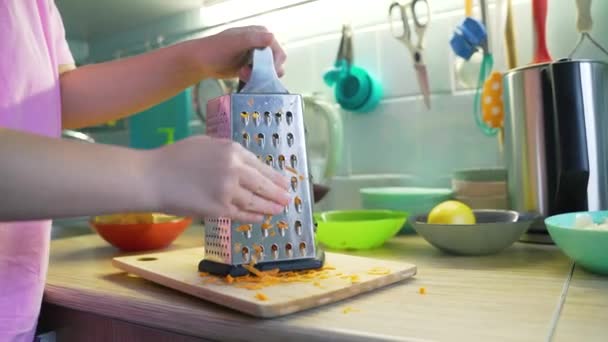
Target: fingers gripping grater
(268,121)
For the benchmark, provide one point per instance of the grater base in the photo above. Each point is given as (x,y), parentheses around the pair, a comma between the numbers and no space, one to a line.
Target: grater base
(220,269)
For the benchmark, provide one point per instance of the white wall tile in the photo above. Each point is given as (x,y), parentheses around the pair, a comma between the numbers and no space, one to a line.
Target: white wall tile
(299,69)
(383,141)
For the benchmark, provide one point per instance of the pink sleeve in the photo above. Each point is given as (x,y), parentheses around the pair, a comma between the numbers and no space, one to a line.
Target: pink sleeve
(64,55)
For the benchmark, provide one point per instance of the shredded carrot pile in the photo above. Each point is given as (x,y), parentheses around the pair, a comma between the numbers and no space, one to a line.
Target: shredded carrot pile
(257,279)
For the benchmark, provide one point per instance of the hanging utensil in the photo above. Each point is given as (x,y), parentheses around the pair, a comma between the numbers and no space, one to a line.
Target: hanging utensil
(484,72)
(492,105)
(354,88)
(584,23)
(510,38)
(539,14)
(421,22)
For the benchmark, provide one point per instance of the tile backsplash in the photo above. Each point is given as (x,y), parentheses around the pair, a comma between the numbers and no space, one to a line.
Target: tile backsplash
(400,137)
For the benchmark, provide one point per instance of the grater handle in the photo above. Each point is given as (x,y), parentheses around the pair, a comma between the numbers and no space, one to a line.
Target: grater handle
(264,77)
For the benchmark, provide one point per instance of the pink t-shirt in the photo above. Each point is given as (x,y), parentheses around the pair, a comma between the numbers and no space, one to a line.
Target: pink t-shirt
(32,47)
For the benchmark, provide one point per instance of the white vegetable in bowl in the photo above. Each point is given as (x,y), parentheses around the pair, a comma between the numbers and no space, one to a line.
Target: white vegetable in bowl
(585,221)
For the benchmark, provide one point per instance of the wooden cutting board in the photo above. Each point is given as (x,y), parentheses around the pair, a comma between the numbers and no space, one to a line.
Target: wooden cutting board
(345,276)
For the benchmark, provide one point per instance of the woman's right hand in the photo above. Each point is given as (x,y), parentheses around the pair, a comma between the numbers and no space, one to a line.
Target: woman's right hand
(208,177)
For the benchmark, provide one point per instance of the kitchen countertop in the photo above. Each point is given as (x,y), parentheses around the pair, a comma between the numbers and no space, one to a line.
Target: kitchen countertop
(517,295)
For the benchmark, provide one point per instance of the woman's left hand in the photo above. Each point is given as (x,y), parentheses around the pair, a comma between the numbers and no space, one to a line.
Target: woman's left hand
(224,55)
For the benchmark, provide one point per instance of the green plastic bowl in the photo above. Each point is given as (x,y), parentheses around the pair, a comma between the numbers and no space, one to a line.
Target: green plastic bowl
(588,248)
(358,229)
(414,200)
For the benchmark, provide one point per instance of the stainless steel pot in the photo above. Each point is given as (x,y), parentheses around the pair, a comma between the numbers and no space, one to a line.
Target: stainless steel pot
(556,147)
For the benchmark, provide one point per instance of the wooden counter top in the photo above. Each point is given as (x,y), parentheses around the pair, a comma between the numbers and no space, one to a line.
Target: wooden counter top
(583,316)
(511,296)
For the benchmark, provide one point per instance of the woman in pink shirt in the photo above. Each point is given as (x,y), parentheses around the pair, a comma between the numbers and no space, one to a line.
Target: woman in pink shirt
(44,177)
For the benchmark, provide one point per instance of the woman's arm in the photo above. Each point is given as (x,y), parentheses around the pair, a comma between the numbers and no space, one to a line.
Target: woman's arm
(42,178)
(99,93)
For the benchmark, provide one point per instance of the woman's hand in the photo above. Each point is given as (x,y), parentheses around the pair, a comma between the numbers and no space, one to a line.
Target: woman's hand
(224,55)
(207,177)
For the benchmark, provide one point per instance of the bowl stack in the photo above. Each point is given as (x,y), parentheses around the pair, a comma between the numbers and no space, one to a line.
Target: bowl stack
(481,188)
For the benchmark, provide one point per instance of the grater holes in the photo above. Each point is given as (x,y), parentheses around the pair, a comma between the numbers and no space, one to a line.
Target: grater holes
(297,203)
(274,250)
(298,227)
(245,253)
(283,226)
(294,183)
(264,231)
(290,139)
(256,118)
(289,117)
(281,161)
(259,251)
(269,160)
(275,139)
(245,118)
(286,209)
(260,139)
(302,248)
(294,161)
(245,229)
(278,117)
(288,250)
(267,118)
(245,141)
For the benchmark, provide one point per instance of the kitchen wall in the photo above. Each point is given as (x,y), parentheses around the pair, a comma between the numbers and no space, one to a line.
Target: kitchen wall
(401,137)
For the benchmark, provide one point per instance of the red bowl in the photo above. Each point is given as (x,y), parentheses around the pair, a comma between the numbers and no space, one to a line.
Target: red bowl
(141,236)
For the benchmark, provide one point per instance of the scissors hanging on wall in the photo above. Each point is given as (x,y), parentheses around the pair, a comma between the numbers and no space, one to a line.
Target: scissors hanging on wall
(419,13)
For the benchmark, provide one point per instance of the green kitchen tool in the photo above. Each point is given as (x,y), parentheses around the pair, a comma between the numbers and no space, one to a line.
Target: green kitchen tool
(358,229)
(354,88)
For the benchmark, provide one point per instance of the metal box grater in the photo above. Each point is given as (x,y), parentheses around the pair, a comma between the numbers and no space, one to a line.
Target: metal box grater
(268,121)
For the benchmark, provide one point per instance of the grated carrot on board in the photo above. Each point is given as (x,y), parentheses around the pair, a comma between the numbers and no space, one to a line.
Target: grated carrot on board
(261,296)
(229,279)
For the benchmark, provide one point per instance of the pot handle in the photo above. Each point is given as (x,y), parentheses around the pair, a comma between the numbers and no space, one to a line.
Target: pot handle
(568,131)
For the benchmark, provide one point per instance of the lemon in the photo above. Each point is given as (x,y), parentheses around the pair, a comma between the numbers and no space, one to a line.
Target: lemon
(451,212)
